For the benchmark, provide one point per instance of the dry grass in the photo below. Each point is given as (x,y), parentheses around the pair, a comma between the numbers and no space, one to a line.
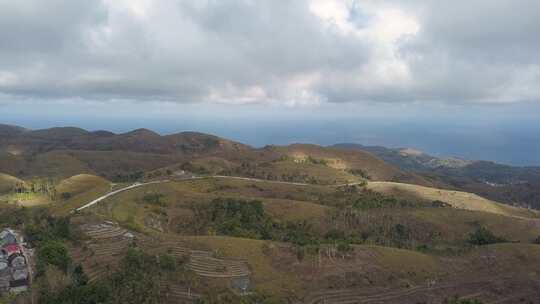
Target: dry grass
(265,277)
(458,199)
(7,182)
(456,225)
(352,159)
(400,260)
(290,210)
(82,188)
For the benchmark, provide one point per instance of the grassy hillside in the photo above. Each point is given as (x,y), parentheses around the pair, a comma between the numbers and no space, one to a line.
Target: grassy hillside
(78,190)
(458,199)
(9,183)
(357,162)
(327,243)
(51,164)
(169,207)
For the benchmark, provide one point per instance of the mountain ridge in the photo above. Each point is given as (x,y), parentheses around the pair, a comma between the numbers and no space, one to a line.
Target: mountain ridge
(509,184)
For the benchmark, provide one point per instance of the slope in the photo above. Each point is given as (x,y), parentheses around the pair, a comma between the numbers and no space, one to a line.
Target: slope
(458,199)
(78,190)
(9,183)
(357,162)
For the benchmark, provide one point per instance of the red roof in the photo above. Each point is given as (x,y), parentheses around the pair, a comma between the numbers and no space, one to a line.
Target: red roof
(12,248)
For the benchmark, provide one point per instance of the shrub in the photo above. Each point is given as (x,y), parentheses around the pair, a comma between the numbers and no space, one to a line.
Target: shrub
(65,195)
(483,236)
(167,262)
(53,252)
(440,204)
(153,198)
(456,300)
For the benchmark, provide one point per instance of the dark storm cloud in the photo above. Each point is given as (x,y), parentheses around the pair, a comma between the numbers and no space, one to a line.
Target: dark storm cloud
(270,51)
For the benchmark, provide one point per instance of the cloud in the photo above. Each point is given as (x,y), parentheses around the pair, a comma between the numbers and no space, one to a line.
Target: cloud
(295,53)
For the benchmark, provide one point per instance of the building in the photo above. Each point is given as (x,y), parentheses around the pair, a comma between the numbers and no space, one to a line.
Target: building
(14,268)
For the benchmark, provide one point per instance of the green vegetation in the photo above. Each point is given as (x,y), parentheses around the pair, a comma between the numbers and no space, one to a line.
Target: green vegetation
(227,297)
(191,167)
(233,217)
(483,236)
(48,235)
(153,198)
(359,197)
(135,282)
(297,240)
(315,161)
(456,300)
(248,219)
(34,192)
(52,252)
(315,172)
(359,172)
(128,177)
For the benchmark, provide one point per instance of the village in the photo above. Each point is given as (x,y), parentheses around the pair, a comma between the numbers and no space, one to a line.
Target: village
(15,270)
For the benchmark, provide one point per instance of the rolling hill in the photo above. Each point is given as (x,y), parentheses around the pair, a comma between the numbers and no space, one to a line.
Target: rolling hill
(435,245)
(67,151)
(457,199)
(284,219)
(140,140)
(78,190)
(509,184)
(358,163)
(8,183)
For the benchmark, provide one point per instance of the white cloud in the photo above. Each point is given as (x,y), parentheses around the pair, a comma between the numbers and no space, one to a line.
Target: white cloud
(304,52)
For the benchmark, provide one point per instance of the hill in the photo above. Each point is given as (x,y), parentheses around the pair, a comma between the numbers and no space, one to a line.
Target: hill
(9,183)
(457,199)
(508,184)
(10,131)
(392,251)
(407,158)
(67,151)
(357,163)
(78,190)
(140,140)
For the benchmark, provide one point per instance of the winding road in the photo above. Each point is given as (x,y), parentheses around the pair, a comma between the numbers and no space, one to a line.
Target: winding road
(99,199)
(136,185)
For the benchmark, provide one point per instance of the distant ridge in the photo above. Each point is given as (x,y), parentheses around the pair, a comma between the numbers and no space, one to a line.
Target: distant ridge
(509,184)
(25,141)
(65,151)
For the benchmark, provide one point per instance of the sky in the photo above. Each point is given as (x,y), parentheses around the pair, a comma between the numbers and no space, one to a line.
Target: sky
(458,78)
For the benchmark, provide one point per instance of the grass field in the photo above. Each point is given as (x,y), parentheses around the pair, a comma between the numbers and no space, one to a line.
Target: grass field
(458,199)
(266,277)
(78,190)
(441,229)
(27,199)
(276,268)
(8,182)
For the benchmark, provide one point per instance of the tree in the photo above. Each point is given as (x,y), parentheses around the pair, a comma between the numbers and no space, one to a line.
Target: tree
(483,236)
(53,252)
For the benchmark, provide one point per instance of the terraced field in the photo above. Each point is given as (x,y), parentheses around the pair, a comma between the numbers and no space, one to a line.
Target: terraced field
(108,245)
(207,266)
(177,294)
(488,290)
(110,242)
(202,262)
